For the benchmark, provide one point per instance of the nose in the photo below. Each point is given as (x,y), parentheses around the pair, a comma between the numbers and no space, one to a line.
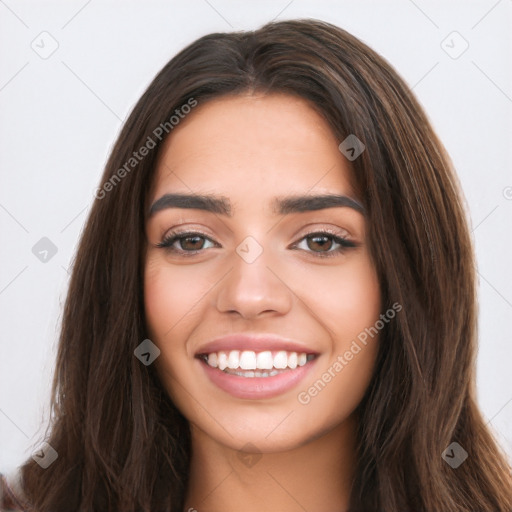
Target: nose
(253,288)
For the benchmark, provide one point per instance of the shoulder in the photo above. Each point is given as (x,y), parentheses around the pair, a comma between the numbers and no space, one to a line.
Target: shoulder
(11,494)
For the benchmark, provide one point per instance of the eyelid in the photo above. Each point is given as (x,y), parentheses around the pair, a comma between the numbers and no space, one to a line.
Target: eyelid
(318,227)
(325,228)
(180,230)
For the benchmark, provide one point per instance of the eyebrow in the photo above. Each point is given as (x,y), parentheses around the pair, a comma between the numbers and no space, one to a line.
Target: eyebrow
(281,205)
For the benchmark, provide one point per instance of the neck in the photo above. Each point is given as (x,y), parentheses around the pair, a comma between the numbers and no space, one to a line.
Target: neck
(314,476)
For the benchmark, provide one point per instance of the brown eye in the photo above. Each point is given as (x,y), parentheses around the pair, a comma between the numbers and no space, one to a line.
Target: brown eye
(191,243)
(185,242)
(321,243)
(324,244)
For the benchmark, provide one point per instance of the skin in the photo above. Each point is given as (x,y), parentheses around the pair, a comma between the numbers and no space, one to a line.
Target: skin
(250,149)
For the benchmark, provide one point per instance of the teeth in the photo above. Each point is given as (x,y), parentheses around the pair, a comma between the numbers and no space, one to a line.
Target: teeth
(252,373)
(281,360)
(248,360)
(234,359)
(212,359)
(264,360)
(251,363)
(222,359)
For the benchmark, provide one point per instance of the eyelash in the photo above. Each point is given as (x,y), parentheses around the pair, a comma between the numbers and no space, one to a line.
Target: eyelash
(175,236)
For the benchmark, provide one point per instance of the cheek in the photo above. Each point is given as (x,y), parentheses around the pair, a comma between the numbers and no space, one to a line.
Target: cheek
(346,299)
(171,300)
(172,295)
(358,300)
(349,306)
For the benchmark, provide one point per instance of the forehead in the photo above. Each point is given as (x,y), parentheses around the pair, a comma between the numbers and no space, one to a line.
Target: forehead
(256,144)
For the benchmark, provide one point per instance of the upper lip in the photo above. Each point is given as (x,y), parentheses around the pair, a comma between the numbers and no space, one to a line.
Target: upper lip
(255,342)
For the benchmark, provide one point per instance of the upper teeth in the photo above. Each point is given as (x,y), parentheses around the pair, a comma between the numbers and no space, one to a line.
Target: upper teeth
(249,360)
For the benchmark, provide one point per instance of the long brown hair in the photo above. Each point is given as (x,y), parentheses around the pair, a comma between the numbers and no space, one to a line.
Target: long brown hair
(121,442)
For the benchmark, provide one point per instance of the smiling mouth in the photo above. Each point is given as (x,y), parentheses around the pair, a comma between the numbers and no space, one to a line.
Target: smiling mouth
(250,364)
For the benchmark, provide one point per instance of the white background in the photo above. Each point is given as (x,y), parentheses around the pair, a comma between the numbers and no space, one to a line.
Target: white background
(61,115)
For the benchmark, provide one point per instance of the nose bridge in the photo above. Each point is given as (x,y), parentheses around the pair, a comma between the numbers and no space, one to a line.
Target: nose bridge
(252,286)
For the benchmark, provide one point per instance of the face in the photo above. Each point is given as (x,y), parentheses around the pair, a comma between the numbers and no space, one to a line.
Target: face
(259,300)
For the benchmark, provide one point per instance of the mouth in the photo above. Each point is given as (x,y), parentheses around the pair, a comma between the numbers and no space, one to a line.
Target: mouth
(251,364)
(252,374)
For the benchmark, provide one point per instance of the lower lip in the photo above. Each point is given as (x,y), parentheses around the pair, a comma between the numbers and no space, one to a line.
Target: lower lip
(257,387)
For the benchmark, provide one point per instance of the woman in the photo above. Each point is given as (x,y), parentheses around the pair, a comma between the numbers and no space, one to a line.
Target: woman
(273,302)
